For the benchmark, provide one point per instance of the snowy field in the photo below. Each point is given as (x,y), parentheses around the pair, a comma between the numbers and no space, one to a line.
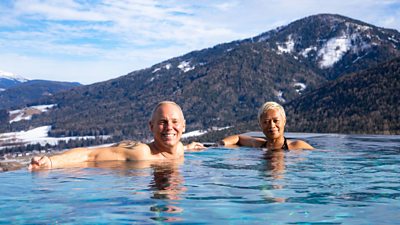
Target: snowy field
(37,135)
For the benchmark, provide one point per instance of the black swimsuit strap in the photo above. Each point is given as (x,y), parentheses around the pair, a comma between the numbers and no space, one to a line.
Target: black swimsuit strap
(285,145)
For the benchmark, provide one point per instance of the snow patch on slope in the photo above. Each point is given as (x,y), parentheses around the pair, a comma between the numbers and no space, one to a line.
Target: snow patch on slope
(201,132)
(185,66)
(26,113)
(299,87)
(306,51)
(279,95)
(286,47)
(156,70)
(333,50)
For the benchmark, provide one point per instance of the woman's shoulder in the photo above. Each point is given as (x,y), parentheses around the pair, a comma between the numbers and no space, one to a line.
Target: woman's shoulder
(299,144)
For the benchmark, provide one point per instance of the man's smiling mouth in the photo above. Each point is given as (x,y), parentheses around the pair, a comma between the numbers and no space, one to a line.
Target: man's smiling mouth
(168,135)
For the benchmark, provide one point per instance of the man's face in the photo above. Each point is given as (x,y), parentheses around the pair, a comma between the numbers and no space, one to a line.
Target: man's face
(167,125)
(272,124)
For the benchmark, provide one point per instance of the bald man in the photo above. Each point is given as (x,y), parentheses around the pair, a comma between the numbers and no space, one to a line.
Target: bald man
(167,124)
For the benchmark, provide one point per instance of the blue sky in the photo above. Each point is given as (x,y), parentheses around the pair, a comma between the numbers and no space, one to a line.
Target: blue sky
(95,40)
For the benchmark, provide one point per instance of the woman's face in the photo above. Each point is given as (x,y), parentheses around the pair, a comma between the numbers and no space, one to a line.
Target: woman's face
(272,124)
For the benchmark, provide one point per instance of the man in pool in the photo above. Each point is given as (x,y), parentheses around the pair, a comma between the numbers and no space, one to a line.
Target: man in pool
(272,120)
(167,124)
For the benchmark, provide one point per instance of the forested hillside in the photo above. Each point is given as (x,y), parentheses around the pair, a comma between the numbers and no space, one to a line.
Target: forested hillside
(364,102)
(24,93)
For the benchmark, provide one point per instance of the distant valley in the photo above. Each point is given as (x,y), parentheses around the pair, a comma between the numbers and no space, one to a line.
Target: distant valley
(17,91)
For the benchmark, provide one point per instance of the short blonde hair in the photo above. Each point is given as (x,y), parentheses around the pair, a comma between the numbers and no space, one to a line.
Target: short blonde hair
(270,105)
(165,103)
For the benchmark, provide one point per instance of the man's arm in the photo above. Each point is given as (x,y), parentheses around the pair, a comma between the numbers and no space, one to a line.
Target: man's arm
(73,156)
(80,155)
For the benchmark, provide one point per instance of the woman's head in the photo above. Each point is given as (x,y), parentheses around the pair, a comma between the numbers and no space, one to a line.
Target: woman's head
(272,119)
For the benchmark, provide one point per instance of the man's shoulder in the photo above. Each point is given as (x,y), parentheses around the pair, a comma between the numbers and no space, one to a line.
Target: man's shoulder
(129,144)
(133,150)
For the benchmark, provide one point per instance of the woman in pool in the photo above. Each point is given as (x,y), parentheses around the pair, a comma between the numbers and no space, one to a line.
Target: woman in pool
(272,120)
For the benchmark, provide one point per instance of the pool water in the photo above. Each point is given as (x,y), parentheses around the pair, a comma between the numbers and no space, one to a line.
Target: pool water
(349,179)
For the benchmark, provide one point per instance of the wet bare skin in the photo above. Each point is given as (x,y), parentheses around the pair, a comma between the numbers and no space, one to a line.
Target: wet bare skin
(167,125)
(272,124)
(166,183)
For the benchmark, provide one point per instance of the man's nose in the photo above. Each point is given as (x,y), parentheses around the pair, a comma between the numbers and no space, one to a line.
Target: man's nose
(168,124)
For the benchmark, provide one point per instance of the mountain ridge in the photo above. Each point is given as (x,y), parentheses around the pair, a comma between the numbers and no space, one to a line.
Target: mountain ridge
(23,93)
(225,84)
(8,80)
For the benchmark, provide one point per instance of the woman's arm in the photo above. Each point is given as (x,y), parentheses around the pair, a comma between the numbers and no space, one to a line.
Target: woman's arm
(242,140)
(230,140)
(194,146)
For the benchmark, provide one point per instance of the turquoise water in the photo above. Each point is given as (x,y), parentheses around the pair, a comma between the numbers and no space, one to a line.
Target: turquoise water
(349,179)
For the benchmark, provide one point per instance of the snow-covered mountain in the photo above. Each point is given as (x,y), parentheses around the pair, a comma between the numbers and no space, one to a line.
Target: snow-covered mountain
(225,84)
(8,80)
(332,44)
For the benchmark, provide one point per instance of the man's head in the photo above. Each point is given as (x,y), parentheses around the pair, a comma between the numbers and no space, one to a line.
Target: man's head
(167,124)
(272,119)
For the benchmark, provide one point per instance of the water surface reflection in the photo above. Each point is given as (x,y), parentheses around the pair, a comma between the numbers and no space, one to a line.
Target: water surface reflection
(166,185)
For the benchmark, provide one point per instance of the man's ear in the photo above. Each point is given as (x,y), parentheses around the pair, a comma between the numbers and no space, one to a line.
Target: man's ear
(150,125)
(184,127)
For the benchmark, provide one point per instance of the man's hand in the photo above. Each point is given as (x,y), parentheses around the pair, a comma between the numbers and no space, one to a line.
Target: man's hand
(37,162)
(194,146)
